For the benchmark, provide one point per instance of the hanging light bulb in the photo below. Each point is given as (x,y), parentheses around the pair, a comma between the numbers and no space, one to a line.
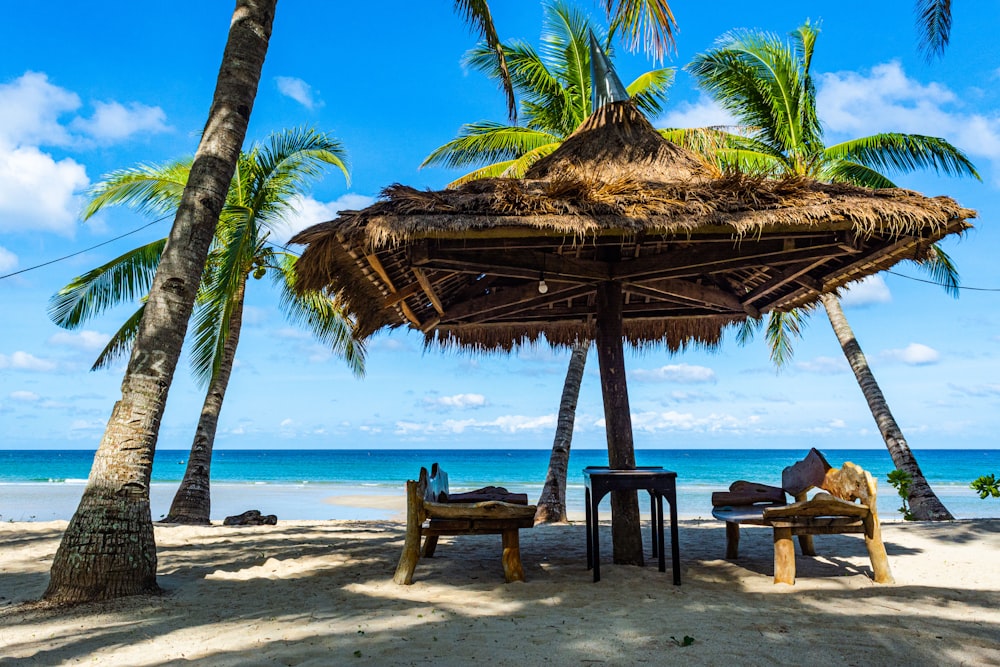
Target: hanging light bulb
(542,287)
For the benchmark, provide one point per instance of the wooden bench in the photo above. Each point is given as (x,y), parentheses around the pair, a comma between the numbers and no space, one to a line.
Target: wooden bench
(432,511)
(833,511)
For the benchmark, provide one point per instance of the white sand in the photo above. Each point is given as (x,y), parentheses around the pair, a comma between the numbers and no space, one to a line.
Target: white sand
(320,593)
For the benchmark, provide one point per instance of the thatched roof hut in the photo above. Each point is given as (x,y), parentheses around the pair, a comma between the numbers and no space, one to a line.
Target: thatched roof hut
(691,250)
(617,235)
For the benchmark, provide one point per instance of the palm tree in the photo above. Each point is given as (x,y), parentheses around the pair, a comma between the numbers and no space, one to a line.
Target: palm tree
(555,87)
(266,180)
(647,23)
(108,549)
(552,502)
(94,562)
(766,83)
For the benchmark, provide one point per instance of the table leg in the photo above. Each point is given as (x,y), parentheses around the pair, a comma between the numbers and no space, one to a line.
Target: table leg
(658,523)
(594,534)
(675,547)
(652,521)
(590,543)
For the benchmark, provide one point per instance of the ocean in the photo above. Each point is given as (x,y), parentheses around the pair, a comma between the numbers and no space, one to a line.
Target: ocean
(304,484)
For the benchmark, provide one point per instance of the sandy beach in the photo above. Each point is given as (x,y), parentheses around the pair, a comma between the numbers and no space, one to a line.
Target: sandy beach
(320,593)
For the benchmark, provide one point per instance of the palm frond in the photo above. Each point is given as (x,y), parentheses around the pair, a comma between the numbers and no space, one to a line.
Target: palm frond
(782,328)
(904,153)
(940,268)
(649,90)
(476,14)
(646,23)
(933,26)
(125,278)
(488,142)
(845,171)
(324,317)
(149,189)
(120,345)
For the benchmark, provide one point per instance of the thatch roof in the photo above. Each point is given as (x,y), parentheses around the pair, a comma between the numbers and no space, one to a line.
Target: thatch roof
(692,250)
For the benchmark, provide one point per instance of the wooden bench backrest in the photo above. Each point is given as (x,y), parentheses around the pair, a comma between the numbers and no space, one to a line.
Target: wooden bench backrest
(809,473)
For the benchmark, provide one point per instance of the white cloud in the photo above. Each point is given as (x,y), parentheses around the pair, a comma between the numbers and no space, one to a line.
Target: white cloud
(113,121)
(651,422)
(38,192)
(980,391)
(706,112)
(298,90)
(886,99)
(866,292)
(24,396)
(679,373)
(914,354)
(23,361)
(8,260)
(30,109)
(308,212)
(506,423)
(285,423)
(457,402)
(823,365)
(83,340)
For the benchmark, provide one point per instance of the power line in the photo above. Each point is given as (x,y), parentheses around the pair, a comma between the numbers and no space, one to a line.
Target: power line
(932,282)
(80,252)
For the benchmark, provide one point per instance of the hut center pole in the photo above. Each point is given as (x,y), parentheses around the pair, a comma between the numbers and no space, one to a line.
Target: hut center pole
(625,529)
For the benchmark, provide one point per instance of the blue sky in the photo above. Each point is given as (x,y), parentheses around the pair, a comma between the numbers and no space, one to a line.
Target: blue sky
(84,92)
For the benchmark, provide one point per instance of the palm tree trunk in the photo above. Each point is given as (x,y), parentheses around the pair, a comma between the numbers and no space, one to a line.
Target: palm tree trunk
(924,504)
(108,549)
(552,502)
(192,503)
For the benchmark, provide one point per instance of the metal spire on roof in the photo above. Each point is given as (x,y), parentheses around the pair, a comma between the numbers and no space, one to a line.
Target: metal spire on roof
(607,86)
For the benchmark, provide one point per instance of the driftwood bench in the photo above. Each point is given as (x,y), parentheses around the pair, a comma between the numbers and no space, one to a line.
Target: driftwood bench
(432,511)
(833,511)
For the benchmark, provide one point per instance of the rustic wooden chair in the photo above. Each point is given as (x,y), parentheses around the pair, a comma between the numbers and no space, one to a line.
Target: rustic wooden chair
(832,511)
(432,511)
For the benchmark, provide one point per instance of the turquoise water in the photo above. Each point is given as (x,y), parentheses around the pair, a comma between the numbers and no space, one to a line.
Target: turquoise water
(308,474)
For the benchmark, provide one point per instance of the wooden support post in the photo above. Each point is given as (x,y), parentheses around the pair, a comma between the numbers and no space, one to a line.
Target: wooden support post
(784,555)
(511,557)
(626,535)
(411,547)
(732,540)
(805,541)
(876,550)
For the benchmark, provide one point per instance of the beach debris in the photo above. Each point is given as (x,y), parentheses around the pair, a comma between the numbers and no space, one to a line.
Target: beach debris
(251,518)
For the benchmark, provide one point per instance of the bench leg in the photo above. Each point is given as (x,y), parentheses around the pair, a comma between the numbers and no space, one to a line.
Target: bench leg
(806,545)
(430,544)
(732,540)
(511,558)
(876,551)
(408,559)
(784,556)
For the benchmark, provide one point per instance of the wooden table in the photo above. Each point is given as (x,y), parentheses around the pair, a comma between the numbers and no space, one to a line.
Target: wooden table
(660,483)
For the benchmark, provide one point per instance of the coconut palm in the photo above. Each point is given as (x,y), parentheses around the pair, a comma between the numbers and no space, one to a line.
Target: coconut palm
(95,561)
(766,83)
(646,23)
(555,88)
(267,180)
(552,502)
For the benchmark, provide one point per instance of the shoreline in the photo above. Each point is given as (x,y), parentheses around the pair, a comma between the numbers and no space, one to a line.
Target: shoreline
(27,502)
(314,593)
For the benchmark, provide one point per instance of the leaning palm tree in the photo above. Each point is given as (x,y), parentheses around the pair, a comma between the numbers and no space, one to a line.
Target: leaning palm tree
(108,550)
(554,84)
(267,180)
(766,83)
